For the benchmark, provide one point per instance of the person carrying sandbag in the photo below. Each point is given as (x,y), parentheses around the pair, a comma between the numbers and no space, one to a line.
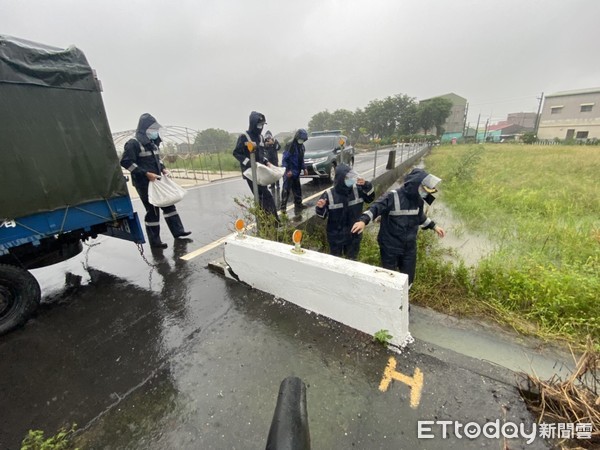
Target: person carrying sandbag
(141,158)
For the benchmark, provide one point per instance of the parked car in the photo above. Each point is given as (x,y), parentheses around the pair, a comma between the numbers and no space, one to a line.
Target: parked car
(324,151)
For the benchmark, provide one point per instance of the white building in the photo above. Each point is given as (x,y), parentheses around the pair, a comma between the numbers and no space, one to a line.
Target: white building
(571,115)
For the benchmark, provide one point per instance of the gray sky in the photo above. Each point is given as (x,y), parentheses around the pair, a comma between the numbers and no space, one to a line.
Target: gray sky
(208,63)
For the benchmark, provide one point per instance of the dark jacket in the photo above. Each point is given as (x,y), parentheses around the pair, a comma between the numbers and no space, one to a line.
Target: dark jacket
(272,149)
(141,155)
(293,155)
(344,206)
(402,214)
(241,153)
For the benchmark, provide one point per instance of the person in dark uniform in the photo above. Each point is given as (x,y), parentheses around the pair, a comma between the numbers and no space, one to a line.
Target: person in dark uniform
(272,148)
(293,161)
(342,205)
(253,137)
(402,215)
(141,157)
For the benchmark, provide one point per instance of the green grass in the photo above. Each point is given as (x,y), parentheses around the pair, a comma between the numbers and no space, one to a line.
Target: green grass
(62,440)
(542,206)
(211,162)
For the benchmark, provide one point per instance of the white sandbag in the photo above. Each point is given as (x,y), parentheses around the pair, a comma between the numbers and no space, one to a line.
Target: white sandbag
(265,175)
(164,192)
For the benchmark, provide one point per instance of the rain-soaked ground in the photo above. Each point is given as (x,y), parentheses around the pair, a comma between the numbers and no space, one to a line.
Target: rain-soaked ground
(178,357)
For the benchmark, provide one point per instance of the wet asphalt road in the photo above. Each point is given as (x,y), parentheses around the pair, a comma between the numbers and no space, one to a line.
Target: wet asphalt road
(178,357)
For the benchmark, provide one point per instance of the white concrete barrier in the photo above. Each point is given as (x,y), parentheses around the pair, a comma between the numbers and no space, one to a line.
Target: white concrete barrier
(364,297)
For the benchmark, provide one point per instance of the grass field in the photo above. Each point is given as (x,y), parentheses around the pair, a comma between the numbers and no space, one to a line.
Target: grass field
(541,205)
(209,162)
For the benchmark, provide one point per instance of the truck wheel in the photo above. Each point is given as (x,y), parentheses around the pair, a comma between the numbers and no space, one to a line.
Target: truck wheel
(19,296)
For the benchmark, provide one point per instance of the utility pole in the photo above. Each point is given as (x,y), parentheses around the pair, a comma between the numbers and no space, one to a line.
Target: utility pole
(465,126)
(537,117)
(477,128)
(486,129)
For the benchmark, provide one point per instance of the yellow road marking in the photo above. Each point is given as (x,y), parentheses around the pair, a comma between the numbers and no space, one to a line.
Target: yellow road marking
(204,249)
(415,382)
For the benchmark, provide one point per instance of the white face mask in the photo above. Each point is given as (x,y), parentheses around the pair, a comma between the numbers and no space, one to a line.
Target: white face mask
(152,134)
(300,141)
(350,182)
(260,126)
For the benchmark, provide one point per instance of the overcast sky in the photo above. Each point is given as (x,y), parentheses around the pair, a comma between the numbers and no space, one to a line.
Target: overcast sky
(208,63)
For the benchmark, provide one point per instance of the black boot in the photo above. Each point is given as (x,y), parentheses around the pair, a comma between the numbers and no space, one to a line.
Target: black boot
(175,225)
(154,237)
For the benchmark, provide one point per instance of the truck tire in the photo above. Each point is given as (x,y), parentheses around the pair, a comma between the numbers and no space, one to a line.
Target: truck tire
(19,296)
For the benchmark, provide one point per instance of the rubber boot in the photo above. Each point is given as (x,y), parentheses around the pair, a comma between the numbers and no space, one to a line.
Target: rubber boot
(153,234)
(175,225)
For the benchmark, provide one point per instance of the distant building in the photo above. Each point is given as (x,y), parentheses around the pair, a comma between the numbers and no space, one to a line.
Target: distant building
(524,119)
(571,115)
(455,123)
(501,132)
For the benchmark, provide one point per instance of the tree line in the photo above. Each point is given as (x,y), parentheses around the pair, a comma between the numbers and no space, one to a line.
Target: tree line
(388,119)
(393,118)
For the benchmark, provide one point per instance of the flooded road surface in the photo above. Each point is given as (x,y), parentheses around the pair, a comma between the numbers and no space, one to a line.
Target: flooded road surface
(175,356)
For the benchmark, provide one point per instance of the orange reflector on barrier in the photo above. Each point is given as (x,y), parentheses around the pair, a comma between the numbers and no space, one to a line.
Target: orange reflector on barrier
(240,227)
(297,236)
(297,239)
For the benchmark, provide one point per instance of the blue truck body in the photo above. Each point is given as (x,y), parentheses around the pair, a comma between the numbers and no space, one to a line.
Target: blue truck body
(115,214)
(61,180)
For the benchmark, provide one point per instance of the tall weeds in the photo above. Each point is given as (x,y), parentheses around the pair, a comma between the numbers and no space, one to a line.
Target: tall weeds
(542,206)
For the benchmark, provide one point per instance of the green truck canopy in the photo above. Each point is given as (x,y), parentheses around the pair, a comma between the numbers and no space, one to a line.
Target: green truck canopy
(56,147)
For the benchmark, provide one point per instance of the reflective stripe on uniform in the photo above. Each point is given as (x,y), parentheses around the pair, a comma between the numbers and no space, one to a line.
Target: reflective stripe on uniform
(401,212)
(427,222)
(171,214)
(357,198)
(145,153)
(132,167)
(152,224)
(245,161)
(333,205)
(370,214)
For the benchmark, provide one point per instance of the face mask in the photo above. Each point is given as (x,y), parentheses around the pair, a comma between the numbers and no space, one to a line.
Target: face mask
(300,141)
(350,182)
(426,196)
(152,134)
(260,126)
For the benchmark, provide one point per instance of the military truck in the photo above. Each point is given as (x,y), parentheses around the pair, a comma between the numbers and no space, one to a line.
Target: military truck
(61,183)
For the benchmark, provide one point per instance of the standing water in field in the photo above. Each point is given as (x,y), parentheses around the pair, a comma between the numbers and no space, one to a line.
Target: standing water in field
(469,246)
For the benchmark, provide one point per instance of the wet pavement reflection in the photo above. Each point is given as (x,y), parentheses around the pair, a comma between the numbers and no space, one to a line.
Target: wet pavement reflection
(161,353)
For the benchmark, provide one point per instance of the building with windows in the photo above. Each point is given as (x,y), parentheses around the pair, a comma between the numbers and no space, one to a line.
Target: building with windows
(455,123)
(571,115)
